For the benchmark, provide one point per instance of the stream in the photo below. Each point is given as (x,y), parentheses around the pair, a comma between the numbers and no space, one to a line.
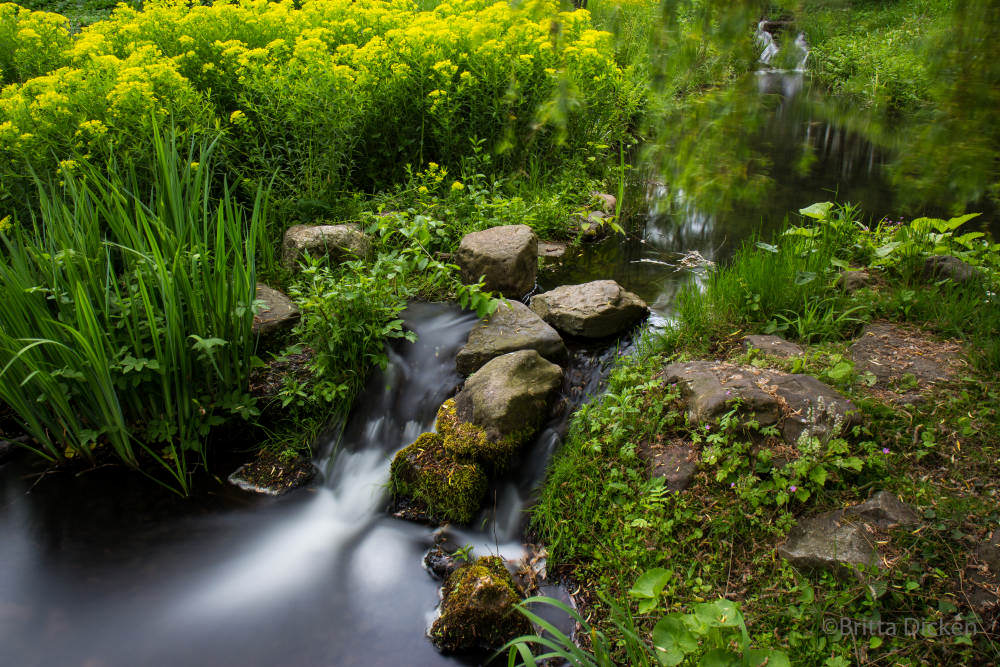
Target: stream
(106,570)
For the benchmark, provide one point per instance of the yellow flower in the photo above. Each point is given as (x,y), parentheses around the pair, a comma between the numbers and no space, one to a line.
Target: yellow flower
(457,185)
(4,223)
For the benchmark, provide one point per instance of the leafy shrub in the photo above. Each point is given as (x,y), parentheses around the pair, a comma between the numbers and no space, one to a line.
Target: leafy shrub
(333,93)
(31,43)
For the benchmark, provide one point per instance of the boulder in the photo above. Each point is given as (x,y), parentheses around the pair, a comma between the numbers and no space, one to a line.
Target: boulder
(596,309)
(607,202)
(846,537)
(451,490)
(802,405)
(853,280)
(509,396)
(940,267)
(277,314)
(830,542)
(774,345)
(479,609)
(884,510)
(989,552)
(512,327)
(507,257)
(338,242)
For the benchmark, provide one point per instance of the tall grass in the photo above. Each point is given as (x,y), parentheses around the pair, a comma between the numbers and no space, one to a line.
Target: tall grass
(127,314)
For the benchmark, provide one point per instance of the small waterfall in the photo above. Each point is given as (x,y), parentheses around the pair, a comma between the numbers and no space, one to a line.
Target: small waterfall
(795,54)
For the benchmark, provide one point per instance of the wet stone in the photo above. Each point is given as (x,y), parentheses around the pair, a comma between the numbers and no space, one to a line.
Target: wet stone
(273,475)
(511,328)
(774,345)
(597,309)
(478,609)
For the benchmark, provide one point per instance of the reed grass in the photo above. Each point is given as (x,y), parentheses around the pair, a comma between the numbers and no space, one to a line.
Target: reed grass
(127,314)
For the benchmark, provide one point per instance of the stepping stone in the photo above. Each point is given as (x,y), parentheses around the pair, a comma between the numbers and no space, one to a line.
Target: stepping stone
(890,351)
(507,257)
(511,328)
(596,309)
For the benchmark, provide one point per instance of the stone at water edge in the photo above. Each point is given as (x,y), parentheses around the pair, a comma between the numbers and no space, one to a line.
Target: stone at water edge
(799,404)
(597,309)
(507,257)
(843,538)
(551,253)
(774,345)
(479,609)
(450,489)
(512,327)
(278,314)
(509,396)
(938,267)
(338,242)
(270,475)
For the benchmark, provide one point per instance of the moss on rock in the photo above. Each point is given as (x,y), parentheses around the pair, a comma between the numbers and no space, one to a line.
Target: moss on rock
(479,609)
(468,442)
(424,471)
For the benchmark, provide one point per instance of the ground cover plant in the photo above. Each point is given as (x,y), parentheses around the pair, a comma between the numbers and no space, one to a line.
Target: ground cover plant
(638,550)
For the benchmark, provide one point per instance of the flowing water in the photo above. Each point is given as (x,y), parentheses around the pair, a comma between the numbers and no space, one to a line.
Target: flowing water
(103,570)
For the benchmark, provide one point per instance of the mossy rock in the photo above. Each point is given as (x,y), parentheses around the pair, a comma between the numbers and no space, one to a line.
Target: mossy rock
(453,490)
(468,442)
(479,609)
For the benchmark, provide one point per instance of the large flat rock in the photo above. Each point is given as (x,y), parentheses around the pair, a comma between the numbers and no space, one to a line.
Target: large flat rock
(891,351)
(801,404)
(596,309)
(511,328)
(506,257)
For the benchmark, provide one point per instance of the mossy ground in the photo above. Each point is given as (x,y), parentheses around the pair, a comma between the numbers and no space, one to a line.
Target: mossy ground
(605,522)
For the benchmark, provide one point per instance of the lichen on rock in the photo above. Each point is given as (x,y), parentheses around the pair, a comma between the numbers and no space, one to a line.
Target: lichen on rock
(479,608)
(426,472)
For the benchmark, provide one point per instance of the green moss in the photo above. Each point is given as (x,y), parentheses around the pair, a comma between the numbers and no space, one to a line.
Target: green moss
(479,608)
(453,490)
(468,442)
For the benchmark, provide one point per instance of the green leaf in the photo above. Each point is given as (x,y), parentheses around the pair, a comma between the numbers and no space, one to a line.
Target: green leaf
(804,277)
(767,246)
(955,223)
(818,211)
(719,614)
(673,640)
(719,657)
(874,642)
(884,251)
(651,583)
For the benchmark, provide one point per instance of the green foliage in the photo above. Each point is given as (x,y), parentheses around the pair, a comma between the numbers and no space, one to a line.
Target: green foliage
(319,96)
(347,318)
(129,315)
